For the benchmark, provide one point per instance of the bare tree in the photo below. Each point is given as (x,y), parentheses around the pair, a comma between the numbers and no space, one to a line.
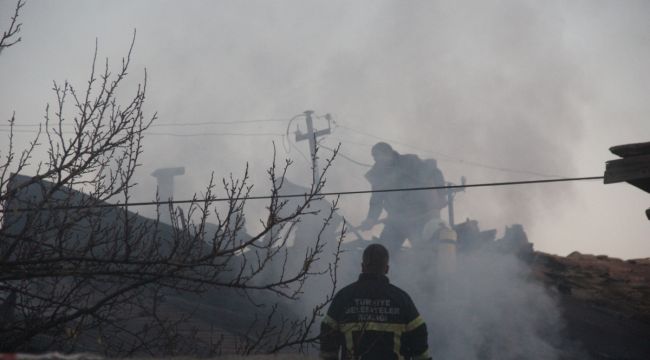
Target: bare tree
(80,272)
(9,37)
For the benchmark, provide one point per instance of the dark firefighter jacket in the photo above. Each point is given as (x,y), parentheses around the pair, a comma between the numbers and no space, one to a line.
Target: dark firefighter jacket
(406,171)
(372,319)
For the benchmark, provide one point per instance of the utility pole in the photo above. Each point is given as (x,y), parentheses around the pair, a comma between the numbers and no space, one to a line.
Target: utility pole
(451,194)
(311,135)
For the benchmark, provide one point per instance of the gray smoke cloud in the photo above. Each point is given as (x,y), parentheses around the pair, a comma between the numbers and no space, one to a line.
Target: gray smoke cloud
(490,308)
(494,90)
(477,305)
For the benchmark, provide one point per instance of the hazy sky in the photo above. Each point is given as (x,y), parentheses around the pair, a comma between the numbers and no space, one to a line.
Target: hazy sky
(495,90)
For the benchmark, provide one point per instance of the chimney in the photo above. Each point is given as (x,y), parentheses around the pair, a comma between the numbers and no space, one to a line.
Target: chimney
(165,178)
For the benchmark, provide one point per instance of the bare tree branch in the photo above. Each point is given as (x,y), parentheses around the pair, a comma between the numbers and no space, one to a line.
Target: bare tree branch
(8,38)
(77,276)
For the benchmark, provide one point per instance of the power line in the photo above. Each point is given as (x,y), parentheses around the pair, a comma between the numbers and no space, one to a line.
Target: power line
(392,141)
(169,134)
(255,121)
(459,161)
(346,141)
(213,134)
(449,157)
(169,124)
(339,153)
(339,193)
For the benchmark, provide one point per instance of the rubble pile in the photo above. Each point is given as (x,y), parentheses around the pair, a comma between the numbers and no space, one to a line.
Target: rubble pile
(605,301)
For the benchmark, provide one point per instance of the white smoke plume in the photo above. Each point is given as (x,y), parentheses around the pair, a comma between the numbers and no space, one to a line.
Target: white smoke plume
(490,308)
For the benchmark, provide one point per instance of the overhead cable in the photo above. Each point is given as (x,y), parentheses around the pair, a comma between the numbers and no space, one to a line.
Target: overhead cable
(446,157)
(344,156)
(160,124)
(213,134)
(336,193)
(148,133)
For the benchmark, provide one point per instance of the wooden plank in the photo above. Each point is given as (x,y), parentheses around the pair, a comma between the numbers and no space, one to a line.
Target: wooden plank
(636,168)
(628,150)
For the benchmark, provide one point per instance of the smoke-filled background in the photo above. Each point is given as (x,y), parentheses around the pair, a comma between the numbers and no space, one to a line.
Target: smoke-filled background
(488,308)
(494,90)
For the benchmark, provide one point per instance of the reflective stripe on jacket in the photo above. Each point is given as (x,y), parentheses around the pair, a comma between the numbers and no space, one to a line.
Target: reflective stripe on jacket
(372,319)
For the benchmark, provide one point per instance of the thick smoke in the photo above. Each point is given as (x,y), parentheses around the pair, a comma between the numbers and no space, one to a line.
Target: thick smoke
(490,308)
(486,304)
(503,84)
(539,87)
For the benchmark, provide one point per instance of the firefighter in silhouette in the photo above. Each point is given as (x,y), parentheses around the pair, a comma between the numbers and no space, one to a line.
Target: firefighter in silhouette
(413,215)
(371,319)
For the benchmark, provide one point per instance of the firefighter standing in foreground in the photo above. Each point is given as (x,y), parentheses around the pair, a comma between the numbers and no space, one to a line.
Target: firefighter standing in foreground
(413,215)
(373,319)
